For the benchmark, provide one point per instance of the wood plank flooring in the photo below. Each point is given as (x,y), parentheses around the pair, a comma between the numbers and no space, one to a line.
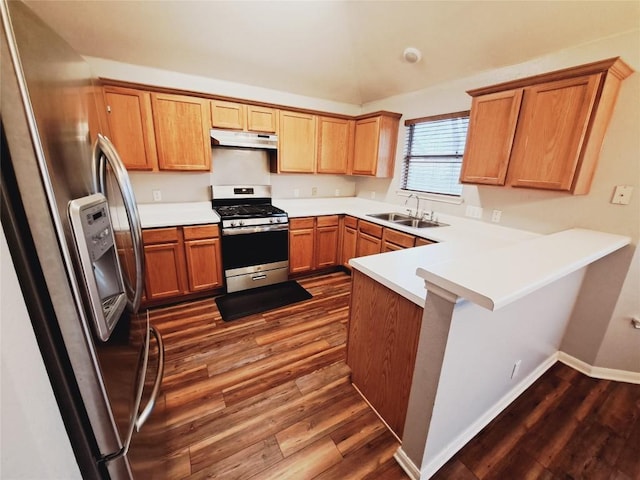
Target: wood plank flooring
(565,426)
(263,397)
(268,397)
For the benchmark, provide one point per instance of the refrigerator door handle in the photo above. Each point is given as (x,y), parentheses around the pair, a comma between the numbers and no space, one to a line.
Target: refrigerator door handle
(144,415)
(104,149)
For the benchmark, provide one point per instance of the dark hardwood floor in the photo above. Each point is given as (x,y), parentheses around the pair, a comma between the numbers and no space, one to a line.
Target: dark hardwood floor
(268,397)
(265,397)
(565,426)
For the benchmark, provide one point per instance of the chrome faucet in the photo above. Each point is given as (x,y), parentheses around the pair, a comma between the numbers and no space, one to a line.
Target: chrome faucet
(417,215)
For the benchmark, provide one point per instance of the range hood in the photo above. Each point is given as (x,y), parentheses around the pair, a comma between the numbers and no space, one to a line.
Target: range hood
(231,138)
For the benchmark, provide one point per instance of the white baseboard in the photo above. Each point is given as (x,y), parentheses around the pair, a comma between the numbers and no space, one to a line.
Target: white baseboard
(435,464)
(599,372)
(450,450)
(407,465)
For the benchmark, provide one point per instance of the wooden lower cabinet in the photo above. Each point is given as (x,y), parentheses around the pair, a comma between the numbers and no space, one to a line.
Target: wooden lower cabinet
(381,347)
(313,243)
(203,255)
(181,260)
(395,240)
(349,240)
(369,240)
(301,244)
(164,263)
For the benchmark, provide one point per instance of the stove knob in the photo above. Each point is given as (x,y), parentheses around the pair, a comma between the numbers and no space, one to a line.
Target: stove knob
(241,222)
(271,220)
(233,224)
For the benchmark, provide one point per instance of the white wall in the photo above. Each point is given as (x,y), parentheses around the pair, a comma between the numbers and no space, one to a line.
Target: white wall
(547,212)
(33,441)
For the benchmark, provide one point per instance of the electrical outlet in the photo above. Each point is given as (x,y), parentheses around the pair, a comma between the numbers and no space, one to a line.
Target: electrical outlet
(296,192)
(622,195)
(337,192)
(314,191)
(157,195)
(496,215)
(373,195)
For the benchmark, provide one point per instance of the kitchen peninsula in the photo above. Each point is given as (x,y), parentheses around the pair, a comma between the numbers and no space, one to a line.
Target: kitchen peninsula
(494,311)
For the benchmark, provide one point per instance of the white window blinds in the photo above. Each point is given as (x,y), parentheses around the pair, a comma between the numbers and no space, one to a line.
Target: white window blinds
(433,153)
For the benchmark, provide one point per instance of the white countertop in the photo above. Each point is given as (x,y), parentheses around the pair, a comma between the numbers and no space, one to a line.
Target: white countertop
(172,214)
(521,268)
(485,263)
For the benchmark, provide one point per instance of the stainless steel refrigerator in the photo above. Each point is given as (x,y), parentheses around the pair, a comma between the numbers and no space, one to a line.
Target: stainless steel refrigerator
(70,218)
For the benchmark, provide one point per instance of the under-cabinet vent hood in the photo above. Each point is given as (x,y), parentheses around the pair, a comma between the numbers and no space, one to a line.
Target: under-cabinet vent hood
(231,138)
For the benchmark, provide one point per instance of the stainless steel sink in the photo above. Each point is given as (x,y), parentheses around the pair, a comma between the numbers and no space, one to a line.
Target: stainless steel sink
(417,223)
(390,217)
(403,219)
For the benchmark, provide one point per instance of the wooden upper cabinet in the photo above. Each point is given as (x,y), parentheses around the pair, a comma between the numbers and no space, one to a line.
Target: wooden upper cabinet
(297,143)
(375,143)
(492,126)
(131,130)
(553,140)
(239,116)
(335,145)
(553,126)
(228,115)
(262,119)
(182,132)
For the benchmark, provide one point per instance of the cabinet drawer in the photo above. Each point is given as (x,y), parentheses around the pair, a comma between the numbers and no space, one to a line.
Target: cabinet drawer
(351,222)
(298,223)
(399,238)
(160,235)
(199,232)
(370,228)
(328,221)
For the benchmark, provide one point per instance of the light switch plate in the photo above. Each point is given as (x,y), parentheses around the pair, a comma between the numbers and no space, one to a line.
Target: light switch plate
(622,195)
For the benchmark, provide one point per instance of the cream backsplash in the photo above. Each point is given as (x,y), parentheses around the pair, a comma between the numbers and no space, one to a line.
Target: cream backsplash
(237,166)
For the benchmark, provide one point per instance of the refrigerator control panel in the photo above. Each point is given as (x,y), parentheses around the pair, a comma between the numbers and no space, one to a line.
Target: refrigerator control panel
(99,261)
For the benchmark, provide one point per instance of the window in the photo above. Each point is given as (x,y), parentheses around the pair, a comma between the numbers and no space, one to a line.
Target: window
(433,153)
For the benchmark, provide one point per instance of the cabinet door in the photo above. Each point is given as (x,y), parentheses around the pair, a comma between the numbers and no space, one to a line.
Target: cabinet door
(365,152)
(261,119)
(349,240)
(228,115)
(375,143)
(552,128)
(182,132)
(492,127)
(335,145)
(163,270)
(367,245)
(327,246)
(301,244)
(297,143)
(204,265)
(131,127)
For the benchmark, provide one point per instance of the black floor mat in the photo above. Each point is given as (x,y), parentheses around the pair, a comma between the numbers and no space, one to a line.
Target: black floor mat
(257,300)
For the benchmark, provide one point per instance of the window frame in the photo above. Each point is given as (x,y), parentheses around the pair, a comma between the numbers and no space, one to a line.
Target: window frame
(445,197)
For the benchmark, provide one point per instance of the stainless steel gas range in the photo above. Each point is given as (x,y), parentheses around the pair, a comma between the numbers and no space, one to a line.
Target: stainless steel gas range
(255,236)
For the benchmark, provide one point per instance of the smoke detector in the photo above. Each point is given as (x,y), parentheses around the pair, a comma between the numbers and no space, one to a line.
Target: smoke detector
(412,55)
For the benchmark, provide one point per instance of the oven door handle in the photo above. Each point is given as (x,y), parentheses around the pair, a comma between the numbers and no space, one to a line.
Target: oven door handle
(255,229)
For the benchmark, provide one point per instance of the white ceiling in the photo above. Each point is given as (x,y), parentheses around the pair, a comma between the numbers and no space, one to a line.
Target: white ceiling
(347,51)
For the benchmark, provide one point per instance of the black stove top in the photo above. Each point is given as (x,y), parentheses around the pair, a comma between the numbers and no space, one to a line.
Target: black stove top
(248,211)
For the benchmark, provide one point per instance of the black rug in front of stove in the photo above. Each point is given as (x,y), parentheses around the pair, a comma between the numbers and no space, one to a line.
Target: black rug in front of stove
(257,300)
